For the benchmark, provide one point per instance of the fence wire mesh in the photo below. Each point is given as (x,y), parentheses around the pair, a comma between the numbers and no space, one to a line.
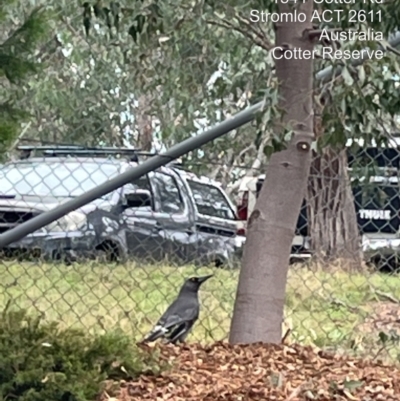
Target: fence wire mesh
(121,260)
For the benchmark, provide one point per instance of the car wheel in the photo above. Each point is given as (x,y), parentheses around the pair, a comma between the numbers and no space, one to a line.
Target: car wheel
(108,252)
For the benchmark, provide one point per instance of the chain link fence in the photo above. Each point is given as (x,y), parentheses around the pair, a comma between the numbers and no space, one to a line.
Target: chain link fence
(119,261)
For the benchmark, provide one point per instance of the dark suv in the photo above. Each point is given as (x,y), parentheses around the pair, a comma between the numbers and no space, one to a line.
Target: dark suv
(168,214)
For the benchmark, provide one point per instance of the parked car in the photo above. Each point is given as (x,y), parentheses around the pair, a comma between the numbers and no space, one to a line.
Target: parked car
(167,214)
(377,205)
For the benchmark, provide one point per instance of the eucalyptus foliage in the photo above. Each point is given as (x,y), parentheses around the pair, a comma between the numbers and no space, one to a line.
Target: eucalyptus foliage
(106,56)
(19,44)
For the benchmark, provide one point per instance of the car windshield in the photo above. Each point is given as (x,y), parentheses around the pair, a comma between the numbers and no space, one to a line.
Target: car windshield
(210,201)
(68,179)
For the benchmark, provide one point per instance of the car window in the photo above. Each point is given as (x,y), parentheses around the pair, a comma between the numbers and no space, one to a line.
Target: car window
(211,201)
(168,192)
(141,183)
(56,179)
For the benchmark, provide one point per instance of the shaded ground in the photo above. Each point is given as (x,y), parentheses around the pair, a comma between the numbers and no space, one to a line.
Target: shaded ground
(223,372)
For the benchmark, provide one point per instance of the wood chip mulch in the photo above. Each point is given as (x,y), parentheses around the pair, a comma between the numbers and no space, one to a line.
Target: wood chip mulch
(261,372)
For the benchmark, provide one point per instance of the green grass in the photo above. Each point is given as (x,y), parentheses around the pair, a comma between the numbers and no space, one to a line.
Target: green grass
(328,309)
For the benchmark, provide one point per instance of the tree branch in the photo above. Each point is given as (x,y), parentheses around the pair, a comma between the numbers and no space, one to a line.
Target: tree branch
(260,153)
(393,50)
(258,32)
(244,32)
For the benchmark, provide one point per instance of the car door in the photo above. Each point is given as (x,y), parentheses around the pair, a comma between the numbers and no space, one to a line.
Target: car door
(216,222)
(174,216)
(142,228)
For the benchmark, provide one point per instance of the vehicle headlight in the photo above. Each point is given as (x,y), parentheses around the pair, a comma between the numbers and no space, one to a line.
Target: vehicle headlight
(71,222)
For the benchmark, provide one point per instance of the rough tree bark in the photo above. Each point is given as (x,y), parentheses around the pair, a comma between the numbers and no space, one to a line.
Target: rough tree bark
(332,219)
(331,212)
(143,118)
(259,304)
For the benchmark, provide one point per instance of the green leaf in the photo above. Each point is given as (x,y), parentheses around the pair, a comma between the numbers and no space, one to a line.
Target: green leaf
(383,337)
(348,79)
(361,74)
(353,384)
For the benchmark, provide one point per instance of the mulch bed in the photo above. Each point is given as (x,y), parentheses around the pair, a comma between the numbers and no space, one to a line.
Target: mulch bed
(261,372)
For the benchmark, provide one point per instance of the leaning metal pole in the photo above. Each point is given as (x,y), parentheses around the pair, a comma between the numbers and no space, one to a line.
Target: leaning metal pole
(245,116)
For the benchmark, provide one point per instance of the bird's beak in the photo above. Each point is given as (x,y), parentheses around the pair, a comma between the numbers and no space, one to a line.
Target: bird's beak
(205,278)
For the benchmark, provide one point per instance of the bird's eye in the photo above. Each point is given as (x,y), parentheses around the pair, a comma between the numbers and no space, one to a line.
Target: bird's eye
(193,279)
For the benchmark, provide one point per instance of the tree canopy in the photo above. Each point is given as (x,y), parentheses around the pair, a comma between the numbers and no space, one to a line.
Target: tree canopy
(155,72)
(19,61)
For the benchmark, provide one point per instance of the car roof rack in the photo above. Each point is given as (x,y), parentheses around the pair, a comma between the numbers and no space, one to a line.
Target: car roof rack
(27,151)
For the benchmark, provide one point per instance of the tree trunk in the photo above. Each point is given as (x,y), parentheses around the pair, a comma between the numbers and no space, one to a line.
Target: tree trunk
(259,304)
(331,213)
(143,118)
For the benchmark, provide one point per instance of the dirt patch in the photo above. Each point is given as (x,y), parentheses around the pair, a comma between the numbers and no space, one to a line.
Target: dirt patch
(260,372)
(385,317)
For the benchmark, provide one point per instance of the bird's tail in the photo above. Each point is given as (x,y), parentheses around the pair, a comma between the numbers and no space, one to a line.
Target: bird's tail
(155,334)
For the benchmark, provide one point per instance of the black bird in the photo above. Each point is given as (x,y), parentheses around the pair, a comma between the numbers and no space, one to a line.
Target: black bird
(177,321)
